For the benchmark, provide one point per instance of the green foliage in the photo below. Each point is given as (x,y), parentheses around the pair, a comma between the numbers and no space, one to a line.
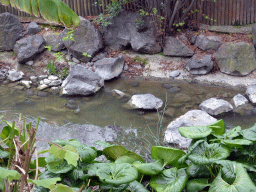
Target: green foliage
(51,69)
(141,60)
(86,55)
(64,73)
(51,10)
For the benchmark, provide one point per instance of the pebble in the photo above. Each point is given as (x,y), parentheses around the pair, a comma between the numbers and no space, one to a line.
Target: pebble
(41,77)
(135,84)
(53,77)
(41,87)
(167,86)
(33,79)
(174,73)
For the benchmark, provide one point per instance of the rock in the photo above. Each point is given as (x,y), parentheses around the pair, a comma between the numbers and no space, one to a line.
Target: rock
(181,98)
(99,57)
(15,75)
(46,81)
(33,28)
(118,93)
(55,83)
(145,101)
(54,90)
(135,84)
(19,87)
(42,94)
(55,41)
(251,93)
(53,77)
(199,65)
(71,106)
(174,90)
(75,60)
(30,93)
(170,112)
(41,77)
(167,86)
(29,63)
(192,38)
(208,43)
(2,76)
(26,83)
(191,118)
(10,31)
(215,106)
(123,32)
(81,81)
(42,87)
(236,58)
(239,100)
(174,73)
(174,47)
(28,48)
(183,38)
(108,68)
(87,40)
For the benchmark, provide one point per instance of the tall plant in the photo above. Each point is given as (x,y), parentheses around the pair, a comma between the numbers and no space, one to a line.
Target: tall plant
(51,10)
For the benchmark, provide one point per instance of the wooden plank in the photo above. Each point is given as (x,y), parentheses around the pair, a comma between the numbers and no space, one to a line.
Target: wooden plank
(252,11)
(244,12)
(233,12)
(241,15)
(248,12)
(230,11)
(226,12)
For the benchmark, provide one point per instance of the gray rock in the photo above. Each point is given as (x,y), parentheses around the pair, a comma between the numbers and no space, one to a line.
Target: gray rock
(87,40)
(28,48)
(30,93)
(10,31)
(55,83)
(123,32)
(251,93)
(29,63)
(33,28)
(199,65)
(167,86)
(41,77)
(174,90)
(135,84)
(75,60)
(54,90)
(26,83)
(174,73)
(53,77)
(42,94)
(239,100)
(42,87)
(99,57)
(208,43)
(55,41)
(215,106)
(81,81)
(108,68)
(118,93)
(183,38)
(15,75)
(236,58)
(145,101)
(174,47)
(192,38)
(191,118)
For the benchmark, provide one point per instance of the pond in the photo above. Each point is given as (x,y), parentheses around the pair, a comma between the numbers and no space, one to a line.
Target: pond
(104,108)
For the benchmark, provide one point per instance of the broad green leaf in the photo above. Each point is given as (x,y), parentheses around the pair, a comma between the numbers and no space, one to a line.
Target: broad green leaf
(218,127)
(76,174)
(4,154)
(11,174)
(92,168)
(205,154)
(232,178)
(134,156)
(168,155)
(115,188)
(236,142)
(6,133)
(250,133)
(61,188)
(103,144)
(84,190)
(48,175)
(233,132)
(117,174)
(71,155)
(170,180)
(56,165)
(46,182)
(113,152)
(135,186)
(125,159)
(87,154)
(51,10)
(148,168)
(195,185)
(57,152)
(195,132)
(197,170)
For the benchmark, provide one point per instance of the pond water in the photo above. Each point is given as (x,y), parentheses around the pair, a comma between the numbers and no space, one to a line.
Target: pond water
(104,108)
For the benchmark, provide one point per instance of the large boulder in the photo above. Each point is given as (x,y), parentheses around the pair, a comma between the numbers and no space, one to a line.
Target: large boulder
(28,48)
(33,28)
(208,43)
(145,101)
(174,47)
(87,40)
(199,65)
(236,58)
(125,30)
(55,41)
(81,81)
(10,31)
(215,106)
(108,68)
(191,118)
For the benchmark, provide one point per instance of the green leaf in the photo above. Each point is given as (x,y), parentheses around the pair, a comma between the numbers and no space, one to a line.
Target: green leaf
(168,155)
(76,174)
(236,142)
(125,159)
(195,185)
(250,133)
(87,154)
(57,152)
(117,174)
(71,155)
(4,154)
(135,186)
(57,165)
(233,132)
(170,180)
(218,127)
(205,154)
(197,170)
(232,178)
(11,174)
(46,182)
(148,168)
(195,132)
(61,188)
(114,152)
(48,175)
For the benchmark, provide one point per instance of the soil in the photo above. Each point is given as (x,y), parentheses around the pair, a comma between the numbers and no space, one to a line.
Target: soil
(133,66)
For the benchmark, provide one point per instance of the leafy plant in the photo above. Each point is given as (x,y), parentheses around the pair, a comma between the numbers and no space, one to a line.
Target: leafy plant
(86,55)
(64,73)
(51,69)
